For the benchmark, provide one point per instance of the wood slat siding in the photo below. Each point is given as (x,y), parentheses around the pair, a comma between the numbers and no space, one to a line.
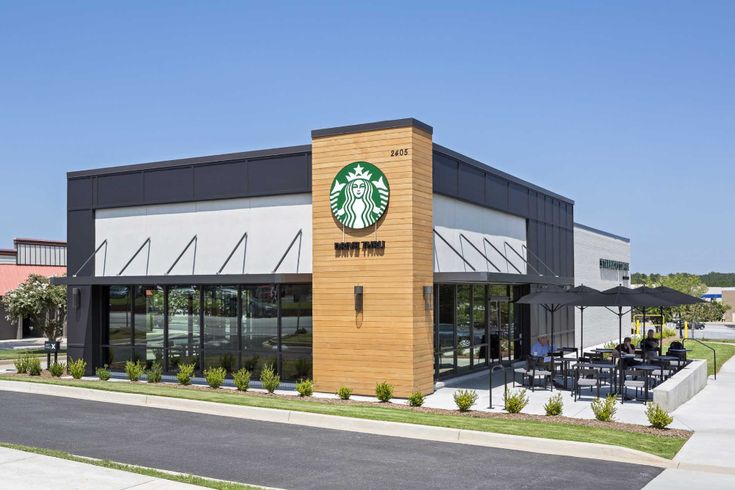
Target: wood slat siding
(392,339)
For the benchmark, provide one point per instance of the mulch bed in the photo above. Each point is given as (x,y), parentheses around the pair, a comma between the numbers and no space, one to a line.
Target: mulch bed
(632,428)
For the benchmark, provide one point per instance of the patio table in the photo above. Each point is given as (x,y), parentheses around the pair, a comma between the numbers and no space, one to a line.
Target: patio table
(602,365)
(564,363)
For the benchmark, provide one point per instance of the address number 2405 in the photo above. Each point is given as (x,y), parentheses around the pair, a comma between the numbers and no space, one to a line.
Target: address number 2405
(400,152)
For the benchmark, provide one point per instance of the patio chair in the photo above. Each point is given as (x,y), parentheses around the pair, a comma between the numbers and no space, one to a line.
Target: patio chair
(585,377)
(637,380)
(535,369)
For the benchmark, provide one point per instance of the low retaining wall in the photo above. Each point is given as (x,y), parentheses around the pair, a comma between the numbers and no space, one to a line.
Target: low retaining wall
(682,386)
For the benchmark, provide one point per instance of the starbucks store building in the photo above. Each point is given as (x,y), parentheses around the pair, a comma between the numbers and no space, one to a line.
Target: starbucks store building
(372,254)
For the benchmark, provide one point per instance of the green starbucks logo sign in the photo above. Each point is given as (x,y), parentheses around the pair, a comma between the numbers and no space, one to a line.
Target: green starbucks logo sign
(359,195)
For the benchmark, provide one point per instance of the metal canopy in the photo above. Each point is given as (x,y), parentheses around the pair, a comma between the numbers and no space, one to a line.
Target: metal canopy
(300,278)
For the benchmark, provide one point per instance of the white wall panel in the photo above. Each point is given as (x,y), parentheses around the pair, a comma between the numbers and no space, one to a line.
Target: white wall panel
(452,217)
(600,325)
(271,223)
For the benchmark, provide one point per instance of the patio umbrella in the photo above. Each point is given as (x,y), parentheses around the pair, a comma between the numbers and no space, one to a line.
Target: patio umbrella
(620,297)
(552,301)
(580,291)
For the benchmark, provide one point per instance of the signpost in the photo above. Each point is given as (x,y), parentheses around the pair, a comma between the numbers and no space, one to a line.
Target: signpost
(51,346)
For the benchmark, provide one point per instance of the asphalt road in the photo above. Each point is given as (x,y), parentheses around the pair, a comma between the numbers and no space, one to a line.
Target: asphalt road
(714,331)
(289,456)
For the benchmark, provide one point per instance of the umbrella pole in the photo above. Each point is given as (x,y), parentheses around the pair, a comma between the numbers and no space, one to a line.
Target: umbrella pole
(644,320)
(620,323)
(581,330)
(661,341)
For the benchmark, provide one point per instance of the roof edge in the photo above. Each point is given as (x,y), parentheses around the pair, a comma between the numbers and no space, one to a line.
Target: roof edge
(181,162)
(373,126)
(601,232)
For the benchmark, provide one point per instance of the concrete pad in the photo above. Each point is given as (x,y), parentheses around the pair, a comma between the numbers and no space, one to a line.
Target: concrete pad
(674,479)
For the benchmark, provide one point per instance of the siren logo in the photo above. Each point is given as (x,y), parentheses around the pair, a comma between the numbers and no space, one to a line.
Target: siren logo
(359,195)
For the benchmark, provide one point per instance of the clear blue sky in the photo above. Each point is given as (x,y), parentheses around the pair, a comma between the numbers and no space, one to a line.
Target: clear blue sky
(626,107)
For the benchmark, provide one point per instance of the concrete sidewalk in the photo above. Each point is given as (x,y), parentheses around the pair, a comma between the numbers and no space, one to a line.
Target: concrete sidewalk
(710,414)
(29,471)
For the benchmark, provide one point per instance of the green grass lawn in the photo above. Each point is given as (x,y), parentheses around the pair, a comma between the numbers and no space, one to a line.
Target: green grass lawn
(698,351)
(190,479)
(664,446)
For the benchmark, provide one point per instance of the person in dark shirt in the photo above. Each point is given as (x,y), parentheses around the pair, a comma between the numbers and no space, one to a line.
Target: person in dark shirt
(625,348)
(650,343)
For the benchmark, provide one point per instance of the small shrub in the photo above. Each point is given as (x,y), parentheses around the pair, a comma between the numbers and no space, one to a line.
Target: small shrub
(34,366)
(657,416)
(416,399)
(134,370)
(21,364)
(227,361)
(515,400)
(344,393)
(669,332)
(305,387)
(384,391)
(604,410)
(465,399)
(155,373)
(103,373)
(241,379)
(57,369)
(215,376)
(186,371)
(555,405)
(77,368)
(269,379)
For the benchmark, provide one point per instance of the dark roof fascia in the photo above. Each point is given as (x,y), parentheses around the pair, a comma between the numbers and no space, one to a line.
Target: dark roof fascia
(38,241)
(602,232)
(374,126)
(182,162)
(487,168)
(285,278)
(498,278)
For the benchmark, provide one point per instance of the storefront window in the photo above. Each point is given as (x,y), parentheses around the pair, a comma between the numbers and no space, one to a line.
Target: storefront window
(183,326)
(445,328)
(464,311)
(220,327)
(259,327)
(149,328)
(296,328)
(479,326)
(117,335)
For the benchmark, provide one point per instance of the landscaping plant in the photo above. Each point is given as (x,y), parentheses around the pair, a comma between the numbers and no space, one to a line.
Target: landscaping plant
(554,406)
(77,368)
(515,400)
(34,366)
(305,387)
(344,393)
(269,379)
(21,364)
(384,391)
(154,373)
(103,373)
(604,410)
(215,376)
(186,371)
(241,379)
(57,369)
(465,399)
(657,416)
(134,370)
(416,399)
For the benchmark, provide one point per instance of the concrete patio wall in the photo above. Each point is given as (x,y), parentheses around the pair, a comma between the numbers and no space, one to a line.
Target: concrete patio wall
(682,386)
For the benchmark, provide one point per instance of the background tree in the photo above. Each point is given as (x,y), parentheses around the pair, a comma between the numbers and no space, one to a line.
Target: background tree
(40,301)
(689,284)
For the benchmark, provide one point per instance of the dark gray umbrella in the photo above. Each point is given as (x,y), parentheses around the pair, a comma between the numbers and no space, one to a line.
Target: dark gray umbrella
(677,297)
(581,291)
(552,301)
(620,297)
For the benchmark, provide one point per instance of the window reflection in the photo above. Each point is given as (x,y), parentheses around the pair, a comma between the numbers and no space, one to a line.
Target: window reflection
(259,327)
(220,327)
(183,325)
(296,327)
(149,318)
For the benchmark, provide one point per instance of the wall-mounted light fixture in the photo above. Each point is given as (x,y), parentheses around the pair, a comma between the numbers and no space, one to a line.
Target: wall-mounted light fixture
(76,297)
(358,298)
(428,297)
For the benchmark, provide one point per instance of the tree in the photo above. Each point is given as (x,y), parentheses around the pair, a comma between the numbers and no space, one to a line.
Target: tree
(42,302)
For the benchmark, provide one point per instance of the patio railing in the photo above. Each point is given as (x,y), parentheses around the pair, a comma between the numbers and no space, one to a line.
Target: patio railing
(714,352)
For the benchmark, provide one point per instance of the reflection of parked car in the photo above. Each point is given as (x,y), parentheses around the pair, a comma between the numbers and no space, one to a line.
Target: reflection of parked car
(697,325)
(261,309)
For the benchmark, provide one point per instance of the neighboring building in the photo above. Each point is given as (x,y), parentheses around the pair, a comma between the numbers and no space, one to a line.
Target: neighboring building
(728,297)
(28,256)
(713,294)
(601,261)
(372,254)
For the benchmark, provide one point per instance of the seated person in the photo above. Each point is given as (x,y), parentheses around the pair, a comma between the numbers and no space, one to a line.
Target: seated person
(541,348)
(626,347)
(650,343)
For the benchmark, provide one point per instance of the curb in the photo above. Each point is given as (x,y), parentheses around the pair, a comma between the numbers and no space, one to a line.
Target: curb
(393,429)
